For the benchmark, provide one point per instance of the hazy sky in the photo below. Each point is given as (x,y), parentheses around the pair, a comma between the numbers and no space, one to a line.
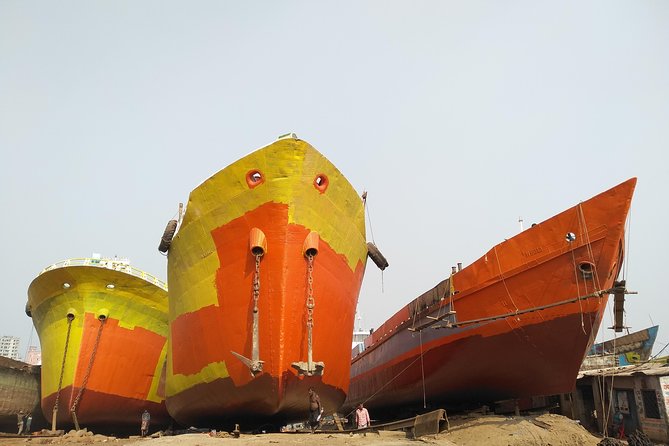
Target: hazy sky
(457,118)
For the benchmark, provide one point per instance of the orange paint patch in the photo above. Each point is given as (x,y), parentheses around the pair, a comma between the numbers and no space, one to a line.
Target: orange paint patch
(217,331)
(125,362)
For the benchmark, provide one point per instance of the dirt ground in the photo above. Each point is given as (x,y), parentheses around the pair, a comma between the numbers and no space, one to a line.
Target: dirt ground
(493,430)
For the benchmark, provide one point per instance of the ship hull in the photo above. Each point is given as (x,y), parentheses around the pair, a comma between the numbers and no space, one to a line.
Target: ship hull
(518,329)
(113,367)
(293,196)
(19,392)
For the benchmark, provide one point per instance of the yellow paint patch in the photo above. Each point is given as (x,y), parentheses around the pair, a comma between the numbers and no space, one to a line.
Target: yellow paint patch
(288,169)
(178,383)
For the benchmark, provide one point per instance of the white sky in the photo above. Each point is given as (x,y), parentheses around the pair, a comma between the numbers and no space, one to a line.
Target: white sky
(456,117)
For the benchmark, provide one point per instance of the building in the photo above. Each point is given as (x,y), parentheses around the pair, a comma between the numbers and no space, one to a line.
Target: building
(33,356)
(9,347)
(637,395)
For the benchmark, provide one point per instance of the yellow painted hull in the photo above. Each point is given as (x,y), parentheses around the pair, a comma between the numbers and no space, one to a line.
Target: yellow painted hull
(112,370)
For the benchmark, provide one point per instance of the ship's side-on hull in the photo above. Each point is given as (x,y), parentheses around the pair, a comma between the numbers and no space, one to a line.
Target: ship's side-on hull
(517,330)
(285,198)
(19,392)
(103,334)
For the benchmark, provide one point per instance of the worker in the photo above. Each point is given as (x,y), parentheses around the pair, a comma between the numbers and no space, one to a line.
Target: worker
(315,409)
(146,419)
(362,419)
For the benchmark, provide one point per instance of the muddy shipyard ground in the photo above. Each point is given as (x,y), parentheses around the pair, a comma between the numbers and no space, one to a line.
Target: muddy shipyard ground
(494,430)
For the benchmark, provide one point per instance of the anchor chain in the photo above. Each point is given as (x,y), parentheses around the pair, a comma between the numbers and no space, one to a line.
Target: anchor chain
(73,409)
(311,303)
(256,363)
(310,368)
(256,285)
(70,318)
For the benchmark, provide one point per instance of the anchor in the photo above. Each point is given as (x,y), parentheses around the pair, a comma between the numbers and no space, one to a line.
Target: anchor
(258,246)
(254,364)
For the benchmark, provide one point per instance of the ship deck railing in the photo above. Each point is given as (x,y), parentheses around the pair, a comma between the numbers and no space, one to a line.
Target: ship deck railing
(121,265)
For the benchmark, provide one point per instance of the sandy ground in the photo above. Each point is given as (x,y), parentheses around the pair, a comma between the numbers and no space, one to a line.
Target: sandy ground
(493,430)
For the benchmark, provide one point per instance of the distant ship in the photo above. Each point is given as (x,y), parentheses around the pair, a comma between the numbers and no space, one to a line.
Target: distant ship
(633,348)
(264,272)
(19,392)
(102,326)
(515,323)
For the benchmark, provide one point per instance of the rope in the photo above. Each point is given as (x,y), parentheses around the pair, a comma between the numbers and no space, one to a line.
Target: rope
(578,288)
(389,381)
(624,269)
(369,218)
(588,243)
(501,275)
(627,240)
(30,341)
(371,231)
(73,409)
(422,368)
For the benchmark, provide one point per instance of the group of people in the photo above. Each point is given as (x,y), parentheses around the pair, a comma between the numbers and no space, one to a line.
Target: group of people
(362,419)
(23,422)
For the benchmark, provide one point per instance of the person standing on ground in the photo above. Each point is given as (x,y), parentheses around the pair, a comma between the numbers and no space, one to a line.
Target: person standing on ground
(146,419)
(19,421)
(315,409)
(29,420)
(362,419)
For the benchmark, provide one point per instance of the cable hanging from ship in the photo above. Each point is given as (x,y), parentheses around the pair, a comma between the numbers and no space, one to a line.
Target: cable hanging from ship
(588,269)
(373,251)
(571,237)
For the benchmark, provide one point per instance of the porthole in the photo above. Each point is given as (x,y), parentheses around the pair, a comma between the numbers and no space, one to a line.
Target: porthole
(321,182)
(587,269)
(254,178)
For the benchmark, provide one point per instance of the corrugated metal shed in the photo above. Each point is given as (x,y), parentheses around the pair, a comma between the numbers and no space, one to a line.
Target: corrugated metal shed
(648,369)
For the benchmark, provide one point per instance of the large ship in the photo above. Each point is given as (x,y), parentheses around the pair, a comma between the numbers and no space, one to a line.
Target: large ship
(102,326)
(515,323)
(264,272)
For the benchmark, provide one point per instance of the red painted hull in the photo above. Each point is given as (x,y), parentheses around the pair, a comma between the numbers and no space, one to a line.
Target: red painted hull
(408,362)
(108,413)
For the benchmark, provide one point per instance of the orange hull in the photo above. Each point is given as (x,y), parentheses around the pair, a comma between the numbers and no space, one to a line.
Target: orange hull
(517,330)
(208,383)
